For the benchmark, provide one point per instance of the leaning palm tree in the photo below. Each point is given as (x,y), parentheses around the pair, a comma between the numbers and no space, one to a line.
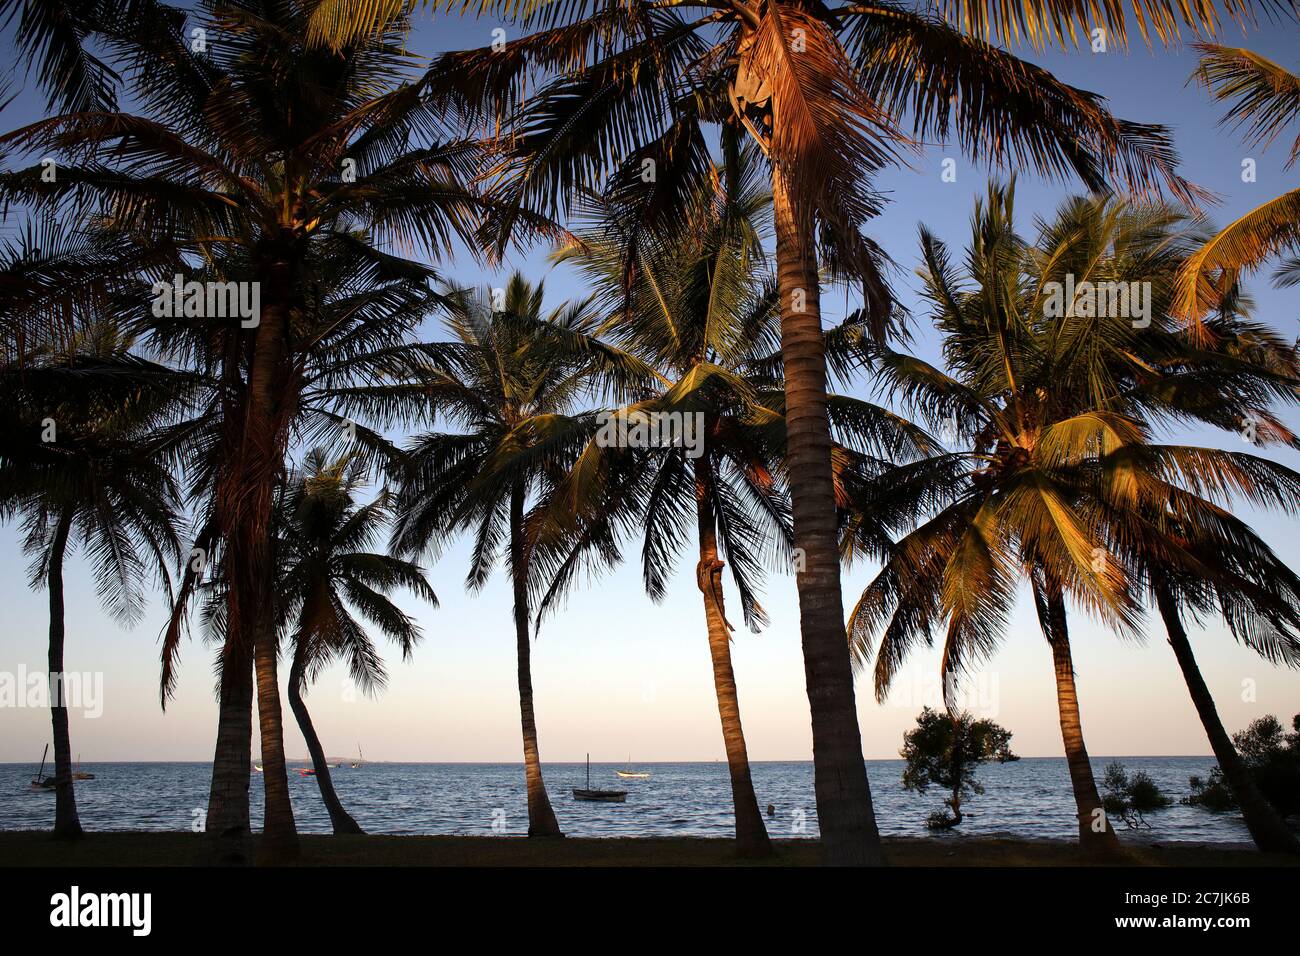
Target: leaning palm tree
(1171,524)
(249,143)
(511,380)
(1264,98)
(330,573)
(1198,559)
(618,95)
(1166,504)
(79,467)
(702,312)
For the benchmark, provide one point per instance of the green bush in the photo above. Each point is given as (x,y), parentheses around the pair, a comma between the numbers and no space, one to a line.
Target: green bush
(1212,794)
(1130,798)
(1271,756)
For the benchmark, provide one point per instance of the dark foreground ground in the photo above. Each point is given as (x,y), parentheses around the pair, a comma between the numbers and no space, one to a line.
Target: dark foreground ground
(185,849)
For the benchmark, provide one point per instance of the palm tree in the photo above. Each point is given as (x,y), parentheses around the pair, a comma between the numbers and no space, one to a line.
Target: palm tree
(1172,526)
(703,312)
(510,379)
(347,378)
(1005,505)
(1264,97)
(1053,405)
(79,466)
(701,309)
(1193,556)
(254,146)
(329,573)
(624,93)
(1197,558)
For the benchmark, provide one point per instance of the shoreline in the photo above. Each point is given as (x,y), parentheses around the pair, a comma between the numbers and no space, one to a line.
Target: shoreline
(1096,760)
(36,848)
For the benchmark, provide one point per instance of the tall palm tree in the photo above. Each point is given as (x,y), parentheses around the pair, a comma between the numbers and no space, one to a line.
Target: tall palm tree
(825,90)
(252,144)
(1004,505)
(511,379)
(1169,501)
(699,306)
(78,465)
(329,573)
(347,378)
(1046,399)
(1264,98)
(702,312)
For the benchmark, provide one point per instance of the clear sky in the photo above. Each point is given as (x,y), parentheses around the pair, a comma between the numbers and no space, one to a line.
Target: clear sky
(616,675)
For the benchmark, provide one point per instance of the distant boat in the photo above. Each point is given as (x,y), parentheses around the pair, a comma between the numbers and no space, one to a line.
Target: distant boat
(356,764)
(258,767)
(41,783)
(78,775)
(306,772)
(598,796)
(631,774)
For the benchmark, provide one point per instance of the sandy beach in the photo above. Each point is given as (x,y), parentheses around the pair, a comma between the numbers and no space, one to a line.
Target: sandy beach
(28,848)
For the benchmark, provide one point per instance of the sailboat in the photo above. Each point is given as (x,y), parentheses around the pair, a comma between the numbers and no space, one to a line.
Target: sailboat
(41,783)
(356,764)
(599,796)
(629,773)
(78,775)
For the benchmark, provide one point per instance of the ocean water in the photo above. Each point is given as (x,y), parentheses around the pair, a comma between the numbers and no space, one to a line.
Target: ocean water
(1028,798)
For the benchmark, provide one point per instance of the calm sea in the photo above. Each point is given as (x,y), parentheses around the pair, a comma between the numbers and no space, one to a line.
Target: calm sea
(1028,798)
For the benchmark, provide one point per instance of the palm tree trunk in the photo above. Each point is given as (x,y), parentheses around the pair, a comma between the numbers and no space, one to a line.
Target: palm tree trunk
(279,834)
(1095,832)
(1266,826)
(340,819)
(844,810)
(247,506)
(227,824)
(541,818)
(66,822)
(751,833)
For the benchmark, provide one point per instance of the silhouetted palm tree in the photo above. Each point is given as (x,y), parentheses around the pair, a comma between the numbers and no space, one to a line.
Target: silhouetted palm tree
(80,467)
(702,312)
(347,378)
(1012,500)
(330,574)
(1054,402)
(512,379)
(1170,521)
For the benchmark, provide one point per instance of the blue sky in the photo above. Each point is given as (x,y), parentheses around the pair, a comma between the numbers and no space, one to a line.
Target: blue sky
(616,675)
